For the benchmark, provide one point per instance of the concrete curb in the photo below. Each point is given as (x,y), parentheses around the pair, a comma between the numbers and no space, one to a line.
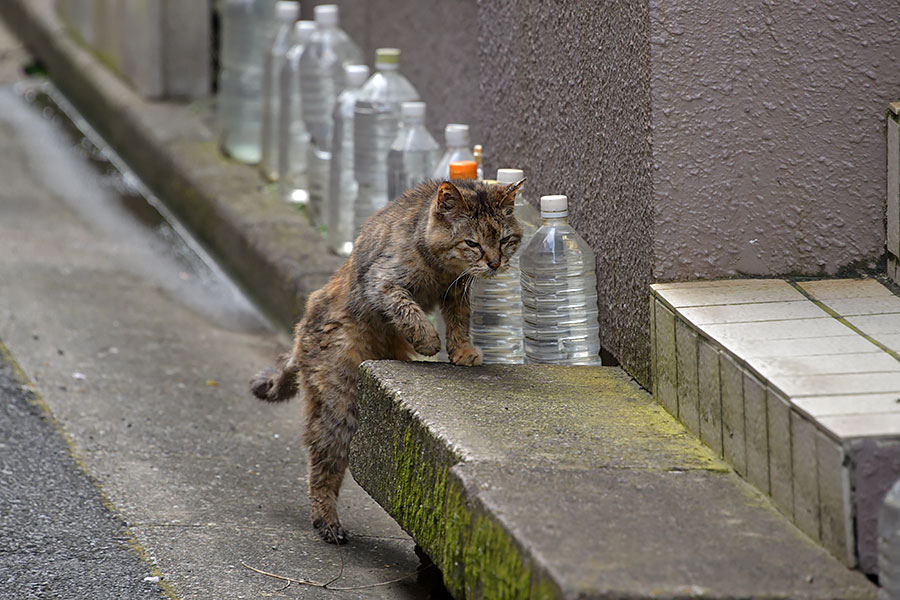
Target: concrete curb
(268,246)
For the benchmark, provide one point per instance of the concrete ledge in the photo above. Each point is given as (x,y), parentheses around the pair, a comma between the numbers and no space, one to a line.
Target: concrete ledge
(269,246)
(568,482)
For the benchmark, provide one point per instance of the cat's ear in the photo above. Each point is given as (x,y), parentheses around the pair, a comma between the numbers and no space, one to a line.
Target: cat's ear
(448,199)
(508,194)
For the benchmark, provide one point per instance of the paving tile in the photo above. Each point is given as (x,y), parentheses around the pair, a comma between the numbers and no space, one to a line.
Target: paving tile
(844,288)
(833,385)
(848,404)
(761,290)
(778,411)
(756,432)
(733,444)
(686,361)
(886,425)
(839,344)
(876,325)
(709,395)
(667,394)
(760,311)
(835,508)
(776,330)
(714,283)
(805,474)
(849,307)
(829,364)
(889,340)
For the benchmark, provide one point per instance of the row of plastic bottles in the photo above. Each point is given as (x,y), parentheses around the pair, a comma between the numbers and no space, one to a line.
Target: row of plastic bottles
(344,143)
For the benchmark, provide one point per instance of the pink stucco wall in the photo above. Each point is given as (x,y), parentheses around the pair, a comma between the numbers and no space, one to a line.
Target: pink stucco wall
(767,134)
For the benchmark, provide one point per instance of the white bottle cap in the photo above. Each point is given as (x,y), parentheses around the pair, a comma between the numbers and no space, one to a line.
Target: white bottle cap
(286,10)
(326,15)
(554,207)
(303,30)
(412,112)
(387,59)
(510,175)
(355,75)
(456,134)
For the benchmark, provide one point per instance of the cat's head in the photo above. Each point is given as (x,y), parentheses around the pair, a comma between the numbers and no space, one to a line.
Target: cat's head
(473,227)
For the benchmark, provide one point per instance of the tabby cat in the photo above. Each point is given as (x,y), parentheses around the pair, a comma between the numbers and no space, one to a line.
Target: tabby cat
(418,252)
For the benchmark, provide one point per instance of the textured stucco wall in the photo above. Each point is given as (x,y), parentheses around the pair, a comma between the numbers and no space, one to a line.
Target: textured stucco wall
(768,134)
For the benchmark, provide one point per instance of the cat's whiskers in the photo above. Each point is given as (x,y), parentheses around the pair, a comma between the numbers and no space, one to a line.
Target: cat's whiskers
(450,287)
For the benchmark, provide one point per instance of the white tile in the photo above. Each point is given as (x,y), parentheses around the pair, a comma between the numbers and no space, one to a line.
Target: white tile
(778,411)
(840,344)
(667,394)
(805,474)
(848,404)
(870,425)
(835,510)
(756,432)
(710,395)
(877,325)
(762,311)
(734,446)
(844,288)
(889,340)
(776,330)
(686,347)
(713,283)
(834,385)
(765,290)
(829,364)
(848,307)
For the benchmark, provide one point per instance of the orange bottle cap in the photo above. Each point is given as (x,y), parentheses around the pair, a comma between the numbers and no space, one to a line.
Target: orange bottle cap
(464,169)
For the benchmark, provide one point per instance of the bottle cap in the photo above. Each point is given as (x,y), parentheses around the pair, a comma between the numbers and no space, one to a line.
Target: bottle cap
(464,169)
(412,112)
(456,134)
(303,30)
(510,175)
(287,10)
(355,75)
(326,15)
(554,207)
(387,59)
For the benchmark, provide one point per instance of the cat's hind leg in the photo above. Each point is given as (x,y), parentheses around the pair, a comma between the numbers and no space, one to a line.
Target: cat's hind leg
(278,384)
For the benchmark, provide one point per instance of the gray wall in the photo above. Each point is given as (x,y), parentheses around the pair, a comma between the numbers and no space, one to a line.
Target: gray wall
(768,134)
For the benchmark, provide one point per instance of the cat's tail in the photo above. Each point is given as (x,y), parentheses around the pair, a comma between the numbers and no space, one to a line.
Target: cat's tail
(278,384)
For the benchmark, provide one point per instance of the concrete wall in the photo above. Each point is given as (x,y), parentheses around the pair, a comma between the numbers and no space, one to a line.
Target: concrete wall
(768,134)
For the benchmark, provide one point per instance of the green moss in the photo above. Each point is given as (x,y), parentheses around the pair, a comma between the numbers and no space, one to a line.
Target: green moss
(493,566)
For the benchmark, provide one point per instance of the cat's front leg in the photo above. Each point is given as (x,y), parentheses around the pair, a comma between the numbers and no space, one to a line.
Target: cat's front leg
(409,318)
(455,311)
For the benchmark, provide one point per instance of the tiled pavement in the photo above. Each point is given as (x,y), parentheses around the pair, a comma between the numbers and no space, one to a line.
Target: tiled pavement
(797,385)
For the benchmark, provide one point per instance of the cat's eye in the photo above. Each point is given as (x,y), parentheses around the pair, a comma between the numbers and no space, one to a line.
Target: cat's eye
(508,239)
(472,244)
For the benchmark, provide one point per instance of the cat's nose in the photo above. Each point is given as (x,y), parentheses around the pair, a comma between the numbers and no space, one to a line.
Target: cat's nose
(494,263)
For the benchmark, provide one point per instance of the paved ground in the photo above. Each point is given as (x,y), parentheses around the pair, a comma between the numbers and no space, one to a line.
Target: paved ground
(151,388)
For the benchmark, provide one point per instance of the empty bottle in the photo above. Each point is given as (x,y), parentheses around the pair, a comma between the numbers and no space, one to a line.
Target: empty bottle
(286,13)
(559,292)
(247,26)
(889,545)
(456,136)
(321,80)
(413,154)
(342,185)
(293,139)
(496,303)
(376,121)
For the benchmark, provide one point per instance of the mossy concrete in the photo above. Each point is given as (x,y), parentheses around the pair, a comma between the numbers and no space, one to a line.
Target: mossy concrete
(570,482)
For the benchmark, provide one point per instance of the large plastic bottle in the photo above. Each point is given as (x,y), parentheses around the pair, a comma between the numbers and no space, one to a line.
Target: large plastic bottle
(456,136)
(414,153)
(496,303)
(286,14)
(376,122)
(246,29)
(889,545)
(559,292)
(321,80)
(293,139)
(342,184)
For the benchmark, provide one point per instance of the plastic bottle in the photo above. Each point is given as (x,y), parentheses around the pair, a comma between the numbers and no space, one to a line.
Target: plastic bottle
(889,545)
(376,121)
(342,184)
(456,136)
(286,13)
(496,303)
(293,139)
(321,80)
(559,292)
(246,28)
(413,154)
(477,152)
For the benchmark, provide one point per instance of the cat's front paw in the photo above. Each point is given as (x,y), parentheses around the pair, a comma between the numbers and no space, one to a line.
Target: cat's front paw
(468,356)
(428,343)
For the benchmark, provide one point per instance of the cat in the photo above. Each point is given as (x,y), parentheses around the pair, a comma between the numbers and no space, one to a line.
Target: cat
(418,252)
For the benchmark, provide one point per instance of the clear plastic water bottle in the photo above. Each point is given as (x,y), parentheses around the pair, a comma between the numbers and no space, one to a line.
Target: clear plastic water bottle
(376,121)
(413,154)
(456,136)
(293,139)
(496,303)
(246,29)
(286,14)
(321,80)
(889,545)
(559,292)
(342,184)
